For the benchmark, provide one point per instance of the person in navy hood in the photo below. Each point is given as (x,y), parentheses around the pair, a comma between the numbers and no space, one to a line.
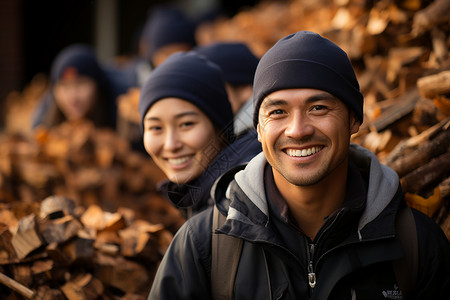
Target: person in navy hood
(79,89)
(187,125)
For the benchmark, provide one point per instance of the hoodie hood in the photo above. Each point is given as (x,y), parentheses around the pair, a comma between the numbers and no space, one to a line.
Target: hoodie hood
(383,186)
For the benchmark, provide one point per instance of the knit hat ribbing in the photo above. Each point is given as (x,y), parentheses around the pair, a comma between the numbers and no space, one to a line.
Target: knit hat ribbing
(191,77)
(307,60)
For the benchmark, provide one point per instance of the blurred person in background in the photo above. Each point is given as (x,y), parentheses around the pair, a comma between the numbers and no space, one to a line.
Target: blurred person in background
(188,129)
(167,30)
(238,64)
(79,89)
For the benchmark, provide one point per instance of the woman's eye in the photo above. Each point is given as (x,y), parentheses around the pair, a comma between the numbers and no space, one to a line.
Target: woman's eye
(187,124)
(154,128)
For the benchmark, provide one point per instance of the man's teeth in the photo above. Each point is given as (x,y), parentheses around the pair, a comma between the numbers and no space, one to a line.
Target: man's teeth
(303,152)
(178,161)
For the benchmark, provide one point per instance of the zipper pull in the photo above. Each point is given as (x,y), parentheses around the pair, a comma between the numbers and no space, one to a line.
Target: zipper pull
(311,275)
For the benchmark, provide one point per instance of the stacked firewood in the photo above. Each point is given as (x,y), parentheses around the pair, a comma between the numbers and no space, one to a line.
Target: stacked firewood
(80,217)
(65,252)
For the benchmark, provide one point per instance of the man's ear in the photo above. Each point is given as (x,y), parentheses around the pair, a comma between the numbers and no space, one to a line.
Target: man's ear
(258,129)
(355,123)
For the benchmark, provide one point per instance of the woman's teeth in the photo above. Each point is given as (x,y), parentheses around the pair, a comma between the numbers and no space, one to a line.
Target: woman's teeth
(303,152)
(178,161)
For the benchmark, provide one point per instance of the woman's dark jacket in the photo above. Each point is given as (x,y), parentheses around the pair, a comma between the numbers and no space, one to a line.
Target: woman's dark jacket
(195,196)
(351,255)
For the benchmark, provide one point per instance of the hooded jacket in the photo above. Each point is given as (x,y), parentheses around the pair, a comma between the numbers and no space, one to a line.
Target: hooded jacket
(351,256)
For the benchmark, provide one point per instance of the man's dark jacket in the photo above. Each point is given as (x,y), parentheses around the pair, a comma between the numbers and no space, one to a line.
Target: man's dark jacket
(351,256)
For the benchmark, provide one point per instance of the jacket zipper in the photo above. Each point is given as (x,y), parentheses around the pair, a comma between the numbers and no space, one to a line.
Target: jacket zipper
(311,272)
(310,250)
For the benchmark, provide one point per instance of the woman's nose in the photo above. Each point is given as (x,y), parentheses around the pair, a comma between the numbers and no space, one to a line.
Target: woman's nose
(172,141)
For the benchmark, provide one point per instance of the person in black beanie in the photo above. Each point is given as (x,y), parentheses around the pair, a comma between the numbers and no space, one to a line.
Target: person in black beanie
(80,88)
(166,31)
(238,64)
(187,125)
(313,216)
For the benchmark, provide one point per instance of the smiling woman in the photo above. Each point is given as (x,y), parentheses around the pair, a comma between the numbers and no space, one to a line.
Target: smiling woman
(181,139)
(188,128)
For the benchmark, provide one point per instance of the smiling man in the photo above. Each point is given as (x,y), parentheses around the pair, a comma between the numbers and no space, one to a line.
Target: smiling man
(317,216)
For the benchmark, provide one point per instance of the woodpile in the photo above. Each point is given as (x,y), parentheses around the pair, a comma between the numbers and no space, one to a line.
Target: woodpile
(80,217)
(66,252)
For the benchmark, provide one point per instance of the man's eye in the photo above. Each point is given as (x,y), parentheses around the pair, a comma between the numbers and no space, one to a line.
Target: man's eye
(318,107)
(276,112)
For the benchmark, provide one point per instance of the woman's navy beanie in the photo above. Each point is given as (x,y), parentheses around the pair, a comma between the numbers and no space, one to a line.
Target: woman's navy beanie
(191,77)
(307,60)
(82,58)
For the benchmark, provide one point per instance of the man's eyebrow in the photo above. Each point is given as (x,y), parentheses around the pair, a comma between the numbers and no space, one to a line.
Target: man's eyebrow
(272,102)
(180,115)
(321,96)
(316,97)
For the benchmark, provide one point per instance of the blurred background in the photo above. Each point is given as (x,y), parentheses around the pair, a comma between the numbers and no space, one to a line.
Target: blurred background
(400,52)
(33,32)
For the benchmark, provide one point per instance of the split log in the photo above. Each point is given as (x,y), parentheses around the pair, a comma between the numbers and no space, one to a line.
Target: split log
(440,47)
(406,146)
(443,104)
(144,241)
(59,230)
(427,205)
(27,237)
(22,274)
(45,292)
(54,207)
(444,188)
(427,175)
(93,217)
(404,106)
(123,274)
(435,13)
(7,252)
(46,270)
(83,287)
(79,249)
(17,287)
(399,57)
(437,146)
(434,85)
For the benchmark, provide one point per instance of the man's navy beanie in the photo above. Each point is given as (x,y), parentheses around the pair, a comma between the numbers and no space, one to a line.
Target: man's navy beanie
(235,59)
(307,60)
(191,77)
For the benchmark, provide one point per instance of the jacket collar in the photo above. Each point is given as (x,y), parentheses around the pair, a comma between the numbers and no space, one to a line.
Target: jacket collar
(383,187)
